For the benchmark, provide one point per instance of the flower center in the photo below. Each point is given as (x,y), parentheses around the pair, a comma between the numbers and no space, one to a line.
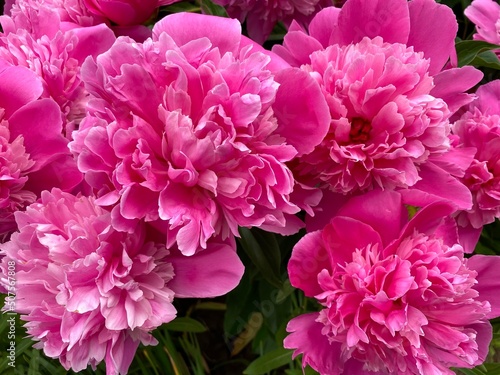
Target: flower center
(360,130)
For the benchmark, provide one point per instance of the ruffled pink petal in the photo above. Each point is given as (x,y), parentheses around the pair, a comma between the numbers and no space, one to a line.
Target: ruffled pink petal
(388,19)
(451,86)
(468,237)
(308,258)
(488,282)
(224,33)
(306,338)
(303,120)
(19,87)
(433,31)
(219,263)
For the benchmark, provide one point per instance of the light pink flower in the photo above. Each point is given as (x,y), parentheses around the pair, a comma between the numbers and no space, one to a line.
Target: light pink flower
(90,293)
(56,58)
(479,128)
(193,129)
(379,66)
(485,14)
(33,152)
(398,299)
(262,15)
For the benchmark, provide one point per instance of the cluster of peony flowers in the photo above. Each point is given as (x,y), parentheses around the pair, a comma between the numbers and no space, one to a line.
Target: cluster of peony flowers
(132,155)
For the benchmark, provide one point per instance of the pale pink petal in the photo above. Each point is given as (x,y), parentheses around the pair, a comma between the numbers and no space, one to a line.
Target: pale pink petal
(224,33)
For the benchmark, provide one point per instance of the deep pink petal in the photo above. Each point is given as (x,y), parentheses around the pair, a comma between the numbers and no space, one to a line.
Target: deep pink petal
(309,257)
(19,87)
(388,19)
(92,41)
(451,86)
(433,31)
(437,185)
(381,210)
(302,119)
(306,338)
(488,100)
(488,282)
(224,33)
(324,25)
(209,273)
(342,240)
(40,124)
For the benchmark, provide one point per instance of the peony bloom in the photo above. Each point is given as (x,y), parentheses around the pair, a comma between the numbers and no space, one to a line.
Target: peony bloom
(90,293)
(485,14)
(400,299)
(479,128)
(262,15)
(193,129)
(33,152)
(39,17)
(379,66)
(56,57)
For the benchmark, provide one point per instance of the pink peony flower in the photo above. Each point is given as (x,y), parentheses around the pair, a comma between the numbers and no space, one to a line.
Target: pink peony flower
(485,14)
(379,66)
(56,58)
(262,15)
(479,128)
(193,129)
(33,151)
(400,299)
(46,17)
(90,293)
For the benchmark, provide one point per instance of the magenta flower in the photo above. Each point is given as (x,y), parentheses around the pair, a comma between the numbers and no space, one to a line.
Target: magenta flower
(90,293)
(398,299)
(193,129)
(33,152)
(485,14)
(479,128)
(56,57)
(126,12)
(262,15)
(379,66)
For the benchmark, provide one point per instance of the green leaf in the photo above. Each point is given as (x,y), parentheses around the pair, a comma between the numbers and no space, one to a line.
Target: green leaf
(487,59)
(264,252)
(468,50)
(208,7)
(185,324)
(269,361)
